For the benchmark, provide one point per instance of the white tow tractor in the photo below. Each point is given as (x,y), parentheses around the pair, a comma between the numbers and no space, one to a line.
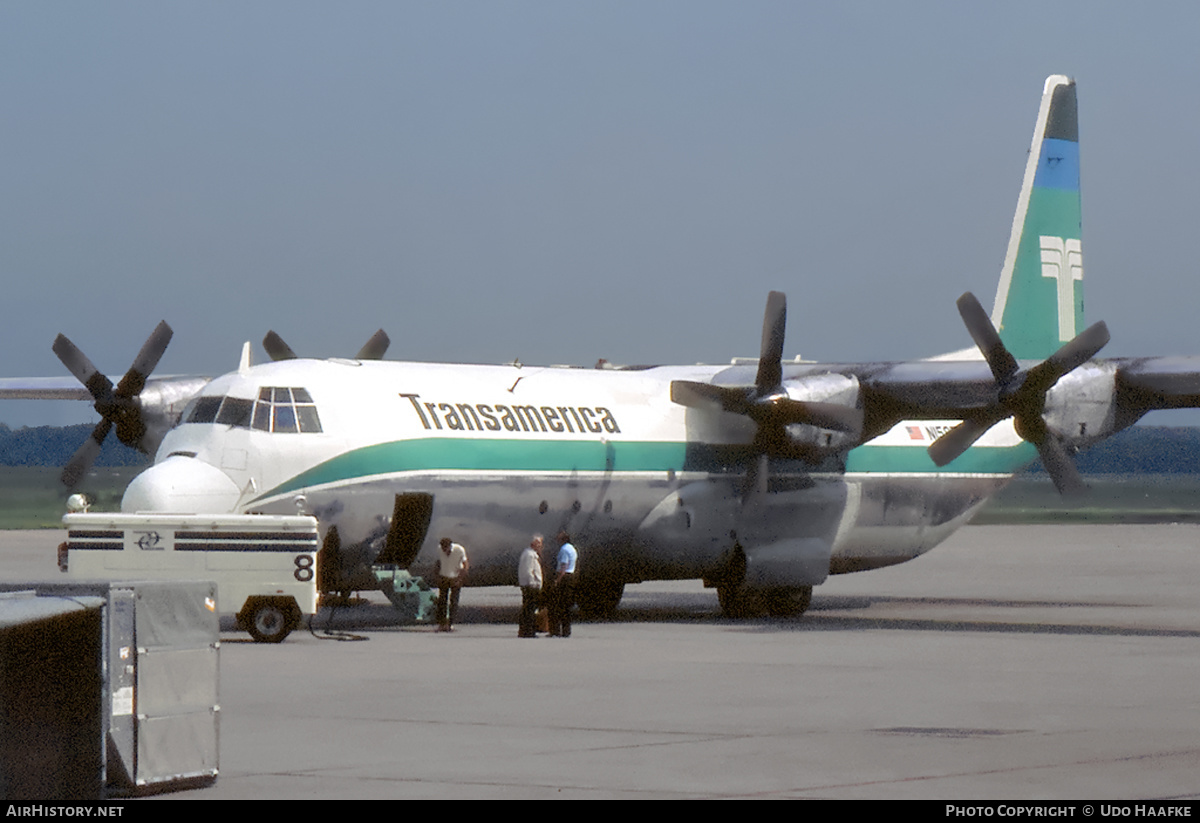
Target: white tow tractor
(265,566)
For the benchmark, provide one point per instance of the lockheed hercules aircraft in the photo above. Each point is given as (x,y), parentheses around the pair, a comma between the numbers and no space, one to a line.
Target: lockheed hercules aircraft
(761,479)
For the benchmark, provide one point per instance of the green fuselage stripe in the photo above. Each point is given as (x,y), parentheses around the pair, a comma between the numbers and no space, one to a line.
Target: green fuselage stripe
(566,456)
(909,460)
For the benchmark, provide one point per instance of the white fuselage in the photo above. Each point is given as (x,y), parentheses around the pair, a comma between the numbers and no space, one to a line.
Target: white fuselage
(649,489)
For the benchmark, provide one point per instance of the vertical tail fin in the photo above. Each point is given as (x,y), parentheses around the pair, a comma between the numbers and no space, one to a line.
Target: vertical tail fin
(1039,303)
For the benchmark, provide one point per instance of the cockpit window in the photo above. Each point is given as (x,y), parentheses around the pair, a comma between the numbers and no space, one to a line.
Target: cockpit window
(307,415)
(277,409)
(205,410)
(235,412)
(285,409)
(285,419)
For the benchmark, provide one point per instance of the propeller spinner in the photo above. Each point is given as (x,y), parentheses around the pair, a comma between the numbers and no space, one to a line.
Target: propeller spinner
(1021,395)
(117,406)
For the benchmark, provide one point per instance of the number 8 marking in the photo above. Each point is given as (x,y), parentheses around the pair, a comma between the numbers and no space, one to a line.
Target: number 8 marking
(304,568)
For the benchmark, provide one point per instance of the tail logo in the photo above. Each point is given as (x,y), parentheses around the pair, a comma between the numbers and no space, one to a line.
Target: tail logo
(1062,261)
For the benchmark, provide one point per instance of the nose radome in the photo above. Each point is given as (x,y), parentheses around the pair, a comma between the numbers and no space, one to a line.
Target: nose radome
(181,485)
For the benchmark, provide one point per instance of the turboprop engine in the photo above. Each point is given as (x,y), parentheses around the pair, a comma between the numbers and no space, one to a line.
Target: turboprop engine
(768,536)
(811,442)
(1082,407)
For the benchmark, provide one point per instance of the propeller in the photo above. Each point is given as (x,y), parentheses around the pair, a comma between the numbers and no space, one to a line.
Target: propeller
(373,349)
(767,402)
(1021,395)
(276,349)
(119,406)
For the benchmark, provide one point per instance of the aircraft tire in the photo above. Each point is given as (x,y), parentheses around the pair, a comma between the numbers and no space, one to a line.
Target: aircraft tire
(598,599)
(268,620)
(738,602)
(790,602)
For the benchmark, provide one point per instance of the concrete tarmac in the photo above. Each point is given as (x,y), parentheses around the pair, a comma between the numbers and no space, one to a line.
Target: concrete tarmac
(1048,662)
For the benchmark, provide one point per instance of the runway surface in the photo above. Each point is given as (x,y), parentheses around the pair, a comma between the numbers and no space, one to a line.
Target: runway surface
(1050,662)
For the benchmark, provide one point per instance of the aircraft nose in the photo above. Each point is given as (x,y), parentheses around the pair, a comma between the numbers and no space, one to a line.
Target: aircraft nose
(181,485)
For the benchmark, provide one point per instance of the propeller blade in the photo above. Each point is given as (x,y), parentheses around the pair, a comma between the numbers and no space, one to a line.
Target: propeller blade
(770,368)
(375,348)
(77,363)
(1001,362)
(85,455)
(120,408)
(960,438)
(706,395)
(756,476)
(1082,348)
(1024,401)
(776,411)
(1061,468)
(147,359)
(276,349)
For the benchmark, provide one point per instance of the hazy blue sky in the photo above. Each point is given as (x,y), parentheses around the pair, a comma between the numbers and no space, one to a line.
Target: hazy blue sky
(562,181)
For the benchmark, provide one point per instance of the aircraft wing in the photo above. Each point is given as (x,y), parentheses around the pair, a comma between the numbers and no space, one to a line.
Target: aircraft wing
(142,417)
(1161,382)
(1066,401)
(1128,388)
(924,390)
(42,388)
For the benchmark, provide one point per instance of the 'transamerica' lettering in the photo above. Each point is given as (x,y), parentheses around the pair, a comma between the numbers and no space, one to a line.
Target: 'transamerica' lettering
(513,418)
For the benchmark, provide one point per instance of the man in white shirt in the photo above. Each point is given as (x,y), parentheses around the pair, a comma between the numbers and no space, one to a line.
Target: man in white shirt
(529,578)
(452,571)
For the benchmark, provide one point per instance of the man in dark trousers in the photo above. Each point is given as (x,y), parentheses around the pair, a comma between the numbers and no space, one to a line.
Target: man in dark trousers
(452,571)
(563,595)
(529,578)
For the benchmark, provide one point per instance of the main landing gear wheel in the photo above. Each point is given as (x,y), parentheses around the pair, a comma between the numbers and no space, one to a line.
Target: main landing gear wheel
(268,621)
(739,602)
(599,599)
(788,602)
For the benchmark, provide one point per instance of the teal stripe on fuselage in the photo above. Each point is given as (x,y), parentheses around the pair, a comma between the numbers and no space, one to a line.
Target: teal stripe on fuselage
(452,454)
(908,460)
(567,456)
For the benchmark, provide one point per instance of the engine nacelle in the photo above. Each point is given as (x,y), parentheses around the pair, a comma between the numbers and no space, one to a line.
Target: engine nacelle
(1082,407)
(162,404)
(836,389)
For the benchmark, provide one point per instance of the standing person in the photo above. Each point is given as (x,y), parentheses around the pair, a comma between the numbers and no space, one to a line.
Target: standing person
(452,571)
(529,578)
(563,596)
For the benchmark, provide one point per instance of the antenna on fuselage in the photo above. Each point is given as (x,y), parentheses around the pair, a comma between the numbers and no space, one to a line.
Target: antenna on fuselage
(244,364)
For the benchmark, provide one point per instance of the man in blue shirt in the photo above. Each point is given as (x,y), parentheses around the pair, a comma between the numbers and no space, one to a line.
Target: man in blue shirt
(563,595)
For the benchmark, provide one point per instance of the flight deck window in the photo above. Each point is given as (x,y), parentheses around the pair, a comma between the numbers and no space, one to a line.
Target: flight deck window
(205,410)
(285,419)
(235,412)
(309,422)
(262,417)
(284,409)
